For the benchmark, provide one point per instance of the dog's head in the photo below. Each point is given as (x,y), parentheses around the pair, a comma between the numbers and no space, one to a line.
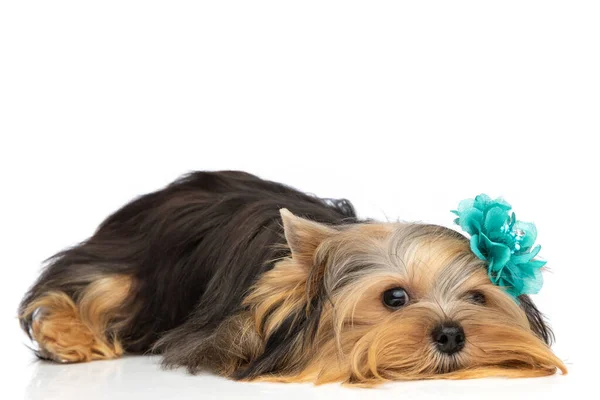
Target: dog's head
(367,303)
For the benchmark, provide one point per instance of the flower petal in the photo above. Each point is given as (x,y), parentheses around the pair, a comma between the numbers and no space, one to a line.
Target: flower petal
(526,257)
(534,283)
(517,283)
(503,204)
(498,252)
(465,205)
(530,233)
(536,264)
(495,219)
(529,279)
(481,202)
(475,247)
(471,221)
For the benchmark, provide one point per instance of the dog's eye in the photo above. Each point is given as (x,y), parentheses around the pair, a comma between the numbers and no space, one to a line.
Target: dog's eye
(395,298)
(476,297)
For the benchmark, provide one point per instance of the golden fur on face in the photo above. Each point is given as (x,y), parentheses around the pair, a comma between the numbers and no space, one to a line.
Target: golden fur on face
(359,340)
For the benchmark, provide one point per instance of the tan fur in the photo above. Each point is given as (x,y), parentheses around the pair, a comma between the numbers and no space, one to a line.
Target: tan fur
(360,341)
(357,340)
(83,330)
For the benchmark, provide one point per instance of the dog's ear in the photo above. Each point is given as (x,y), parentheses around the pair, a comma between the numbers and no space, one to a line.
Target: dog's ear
(284,345)
(536,319)
(303,236)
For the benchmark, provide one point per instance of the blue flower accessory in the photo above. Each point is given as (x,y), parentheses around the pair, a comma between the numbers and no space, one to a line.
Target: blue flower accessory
(505,243)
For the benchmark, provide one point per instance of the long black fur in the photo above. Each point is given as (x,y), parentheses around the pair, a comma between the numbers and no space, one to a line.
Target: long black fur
(537,321)
(194,249)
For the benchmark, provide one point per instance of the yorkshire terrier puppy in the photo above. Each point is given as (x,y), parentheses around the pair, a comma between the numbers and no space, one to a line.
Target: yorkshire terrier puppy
(251,279)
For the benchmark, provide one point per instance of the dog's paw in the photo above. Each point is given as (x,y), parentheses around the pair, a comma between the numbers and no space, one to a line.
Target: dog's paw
(61,335)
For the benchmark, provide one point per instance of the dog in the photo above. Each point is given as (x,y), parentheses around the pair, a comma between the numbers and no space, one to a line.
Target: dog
(254,280)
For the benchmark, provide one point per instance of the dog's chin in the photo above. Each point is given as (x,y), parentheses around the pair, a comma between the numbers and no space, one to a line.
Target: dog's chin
(448,363)
(452,367)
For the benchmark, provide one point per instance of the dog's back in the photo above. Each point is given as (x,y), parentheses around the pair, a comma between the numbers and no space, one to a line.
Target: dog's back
(190,249)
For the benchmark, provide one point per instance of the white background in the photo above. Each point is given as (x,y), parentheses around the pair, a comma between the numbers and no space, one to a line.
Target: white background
(405,108)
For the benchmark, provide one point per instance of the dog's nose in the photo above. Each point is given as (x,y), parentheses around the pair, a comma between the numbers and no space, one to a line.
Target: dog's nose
(449,337)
